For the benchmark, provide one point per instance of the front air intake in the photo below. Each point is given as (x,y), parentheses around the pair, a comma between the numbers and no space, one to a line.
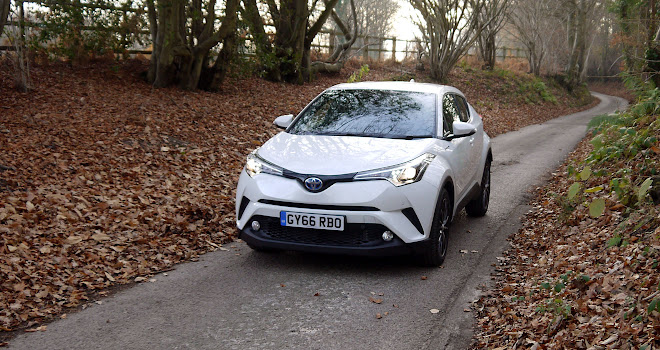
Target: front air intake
(241,208)
(412,216)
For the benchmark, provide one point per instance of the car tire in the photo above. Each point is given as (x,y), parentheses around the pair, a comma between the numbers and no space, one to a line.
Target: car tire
(479,206)
(436,249)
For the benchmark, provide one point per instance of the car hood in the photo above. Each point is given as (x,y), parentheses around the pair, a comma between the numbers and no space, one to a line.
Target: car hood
(333,155)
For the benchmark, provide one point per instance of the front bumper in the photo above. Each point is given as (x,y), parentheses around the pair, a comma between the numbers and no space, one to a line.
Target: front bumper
(357,239)
(406,211)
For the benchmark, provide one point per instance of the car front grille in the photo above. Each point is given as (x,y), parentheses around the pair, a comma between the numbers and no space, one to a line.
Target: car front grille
(354,235)
(318,206)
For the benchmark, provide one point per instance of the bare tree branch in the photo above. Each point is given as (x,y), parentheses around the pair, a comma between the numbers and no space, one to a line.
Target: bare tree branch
(341,54)
(450,28)
(531,20)
(251,13)
(318,25)
(493,13)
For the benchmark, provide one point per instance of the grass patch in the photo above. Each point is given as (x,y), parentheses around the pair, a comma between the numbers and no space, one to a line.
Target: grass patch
(535,92)
(606,119)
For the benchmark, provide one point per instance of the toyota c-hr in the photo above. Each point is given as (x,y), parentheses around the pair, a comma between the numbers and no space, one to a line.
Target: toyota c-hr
(375,168)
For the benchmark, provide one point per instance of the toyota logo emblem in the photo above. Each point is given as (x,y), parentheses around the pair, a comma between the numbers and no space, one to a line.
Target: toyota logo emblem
(313,183)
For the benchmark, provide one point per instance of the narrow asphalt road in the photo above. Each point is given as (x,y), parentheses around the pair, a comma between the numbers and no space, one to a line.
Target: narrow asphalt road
(239,299)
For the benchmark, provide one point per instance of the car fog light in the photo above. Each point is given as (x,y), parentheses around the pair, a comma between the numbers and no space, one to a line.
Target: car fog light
(388,236)
(256,226)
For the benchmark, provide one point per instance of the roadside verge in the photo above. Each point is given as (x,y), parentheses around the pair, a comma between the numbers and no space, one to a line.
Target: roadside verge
(582,272)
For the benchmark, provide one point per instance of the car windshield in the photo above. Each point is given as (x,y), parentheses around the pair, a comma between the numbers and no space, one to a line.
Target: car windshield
(369,113)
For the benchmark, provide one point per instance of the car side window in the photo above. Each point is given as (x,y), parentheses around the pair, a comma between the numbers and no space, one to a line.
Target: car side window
(462,108)
(449,113)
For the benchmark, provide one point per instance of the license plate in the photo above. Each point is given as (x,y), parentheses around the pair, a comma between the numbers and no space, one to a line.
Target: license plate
(315,221)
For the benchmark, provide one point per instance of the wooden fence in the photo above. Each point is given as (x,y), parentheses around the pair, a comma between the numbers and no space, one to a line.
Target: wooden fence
(367,47)
(372,47)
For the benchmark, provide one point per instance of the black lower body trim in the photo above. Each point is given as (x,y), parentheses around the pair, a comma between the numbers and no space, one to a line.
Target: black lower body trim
(357,239)
(473,193)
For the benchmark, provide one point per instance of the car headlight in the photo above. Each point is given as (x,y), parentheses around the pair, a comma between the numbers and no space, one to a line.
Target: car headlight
(401,174)
(256,165)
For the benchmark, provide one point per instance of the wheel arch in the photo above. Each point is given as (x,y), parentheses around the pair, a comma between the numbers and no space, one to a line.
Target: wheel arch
(449,186)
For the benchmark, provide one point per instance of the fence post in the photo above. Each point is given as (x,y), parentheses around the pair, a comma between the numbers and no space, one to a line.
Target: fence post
(394,49)
(381,56)
(365,55)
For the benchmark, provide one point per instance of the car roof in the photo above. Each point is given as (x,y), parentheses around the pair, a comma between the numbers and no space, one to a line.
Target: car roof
(397,86)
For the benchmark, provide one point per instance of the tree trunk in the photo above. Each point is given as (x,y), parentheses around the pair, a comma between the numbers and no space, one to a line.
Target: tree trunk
(290,42)
(533,63)
(450,28)
(489,52)
(491,18)
(535,57)
(212,78)
(223,61)
(289,57)
(653,46)
(341,53)
(155,46)
(4,12)
(579,45)
(183,40)
(251,14)
(169,42)
(603,69)
(191,69)
(22,62)
(624,9)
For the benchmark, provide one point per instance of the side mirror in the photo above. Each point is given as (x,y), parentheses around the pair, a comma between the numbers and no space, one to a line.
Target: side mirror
(462,129)
(283,121)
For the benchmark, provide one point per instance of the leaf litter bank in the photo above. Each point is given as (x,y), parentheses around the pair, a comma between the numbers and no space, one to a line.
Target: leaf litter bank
(583,271)
(104,180)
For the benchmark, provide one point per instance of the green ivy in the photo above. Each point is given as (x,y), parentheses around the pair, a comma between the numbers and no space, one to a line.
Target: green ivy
(359,75)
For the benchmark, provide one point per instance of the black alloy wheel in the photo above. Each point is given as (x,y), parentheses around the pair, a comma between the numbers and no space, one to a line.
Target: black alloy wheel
(479,206)
(436,250)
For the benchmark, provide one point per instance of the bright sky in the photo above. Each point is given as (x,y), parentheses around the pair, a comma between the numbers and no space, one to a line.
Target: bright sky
(404,28)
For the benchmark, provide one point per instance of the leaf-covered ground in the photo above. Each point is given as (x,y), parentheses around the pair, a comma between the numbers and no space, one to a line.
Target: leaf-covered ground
(582,272)
(104,180)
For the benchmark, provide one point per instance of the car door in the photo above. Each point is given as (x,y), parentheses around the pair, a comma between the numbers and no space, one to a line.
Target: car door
(476,140)
(460,148)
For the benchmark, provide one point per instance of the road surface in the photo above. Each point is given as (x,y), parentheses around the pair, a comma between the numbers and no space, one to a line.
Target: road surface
(240,299)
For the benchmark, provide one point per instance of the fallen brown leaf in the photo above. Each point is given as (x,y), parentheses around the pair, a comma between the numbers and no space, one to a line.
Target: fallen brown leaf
(375,301)
(122,184)
(41,328)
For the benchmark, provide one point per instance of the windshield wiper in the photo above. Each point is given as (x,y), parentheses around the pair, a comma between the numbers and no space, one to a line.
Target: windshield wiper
(339,134)
(410,137)
(350,134)
(381,136)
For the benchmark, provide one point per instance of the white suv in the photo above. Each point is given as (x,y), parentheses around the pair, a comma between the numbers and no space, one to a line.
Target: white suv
(377,168)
